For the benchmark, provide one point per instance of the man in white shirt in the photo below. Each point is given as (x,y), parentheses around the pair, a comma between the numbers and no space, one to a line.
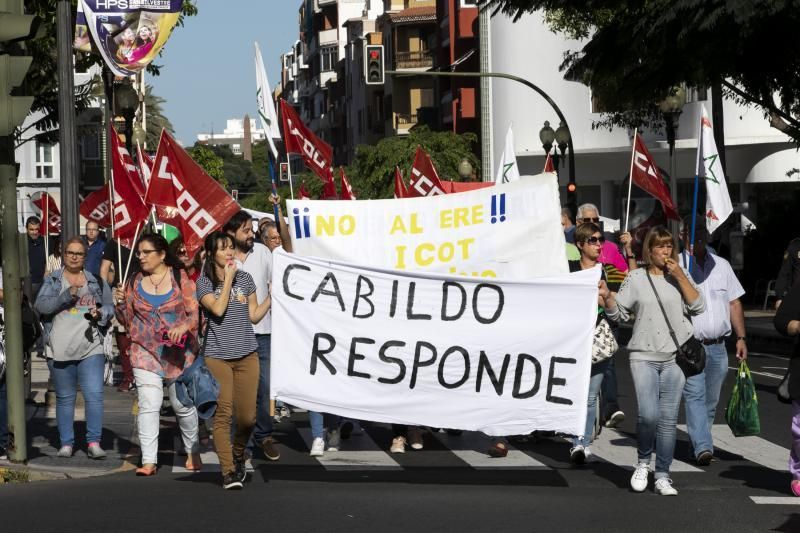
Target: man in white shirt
(255,259)
(724,314)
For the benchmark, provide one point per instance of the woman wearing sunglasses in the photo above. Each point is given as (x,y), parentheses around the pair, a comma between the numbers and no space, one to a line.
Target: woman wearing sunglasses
(589,240)
(76,309)
(158,309)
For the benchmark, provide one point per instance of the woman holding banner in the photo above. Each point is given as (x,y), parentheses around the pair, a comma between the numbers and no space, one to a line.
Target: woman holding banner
(657,378)
(157,306)
(589,240)
(228,296)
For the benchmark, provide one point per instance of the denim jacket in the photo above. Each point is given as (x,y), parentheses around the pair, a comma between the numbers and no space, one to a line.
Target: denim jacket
(51,300)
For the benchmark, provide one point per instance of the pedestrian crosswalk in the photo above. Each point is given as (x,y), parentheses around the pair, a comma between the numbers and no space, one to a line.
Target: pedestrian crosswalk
(371,452)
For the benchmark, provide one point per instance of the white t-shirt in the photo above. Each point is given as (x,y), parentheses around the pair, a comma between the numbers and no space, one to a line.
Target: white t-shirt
(258,264)
(719,287)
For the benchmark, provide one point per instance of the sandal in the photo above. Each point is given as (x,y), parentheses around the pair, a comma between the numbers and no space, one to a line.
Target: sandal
(148,469)
(498,449)
(193,463)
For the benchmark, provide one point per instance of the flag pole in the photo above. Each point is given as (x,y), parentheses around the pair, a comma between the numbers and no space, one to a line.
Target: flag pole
(130,257)
(694,222)
(289,172)
(630,180)
(46,202)
(271,166)
(111,194)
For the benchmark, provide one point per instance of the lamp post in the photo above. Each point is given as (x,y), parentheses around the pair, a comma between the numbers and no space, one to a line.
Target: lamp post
(563,141)
(671,108)
(126,102)
(547,135)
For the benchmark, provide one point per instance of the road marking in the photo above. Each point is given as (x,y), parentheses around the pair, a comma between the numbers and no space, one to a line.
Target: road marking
(769,355)
(619,449)
(361,453)
(757,373)
(471,447)
(776,500)
(754,449)
(210,463)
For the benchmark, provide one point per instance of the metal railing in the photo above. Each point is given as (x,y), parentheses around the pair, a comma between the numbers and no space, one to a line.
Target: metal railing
(418,59)
(404,119)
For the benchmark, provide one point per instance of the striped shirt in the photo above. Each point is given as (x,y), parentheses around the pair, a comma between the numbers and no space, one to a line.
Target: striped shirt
(230,336)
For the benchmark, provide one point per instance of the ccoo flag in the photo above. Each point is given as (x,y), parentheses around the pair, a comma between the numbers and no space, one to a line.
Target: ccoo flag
(646,175)
(718,200)
(266,107)
(508,170)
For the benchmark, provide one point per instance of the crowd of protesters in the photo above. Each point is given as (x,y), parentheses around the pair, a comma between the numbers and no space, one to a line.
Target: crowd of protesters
(166,308)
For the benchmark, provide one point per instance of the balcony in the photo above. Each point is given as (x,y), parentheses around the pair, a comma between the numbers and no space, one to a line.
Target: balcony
(330,36)
(404,122)
(421,59)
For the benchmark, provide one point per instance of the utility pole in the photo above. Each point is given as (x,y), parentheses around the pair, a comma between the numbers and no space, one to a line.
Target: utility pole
(67,134)
(486,94)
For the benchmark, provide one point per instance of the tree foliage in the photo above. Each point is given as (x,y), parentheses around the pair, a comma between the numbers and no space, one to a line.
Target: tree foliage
(156,120)
(210,162)
(635,51)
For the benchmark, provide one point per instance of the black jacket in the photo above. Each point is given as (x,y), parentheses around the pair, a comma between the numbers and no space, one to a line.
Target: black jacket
(789,273)
(788,311)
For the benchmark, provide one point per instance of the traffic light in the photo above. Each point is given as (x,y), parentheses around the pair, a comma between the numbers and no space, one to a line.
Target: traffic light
(14,26)
(374,66)
(571,187)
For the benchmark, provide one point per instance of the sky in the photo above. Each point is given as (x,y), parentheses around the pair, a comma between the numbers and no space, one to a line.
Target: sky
(208,72)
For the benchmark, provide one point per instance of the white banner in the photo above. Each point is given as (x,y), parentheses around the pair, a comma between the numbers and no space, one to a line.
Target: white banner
(510,231)
(502,357)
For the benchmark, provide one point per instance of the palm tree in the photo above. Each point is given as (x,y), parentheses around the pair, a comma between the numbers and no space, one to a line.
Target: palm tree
(154,110)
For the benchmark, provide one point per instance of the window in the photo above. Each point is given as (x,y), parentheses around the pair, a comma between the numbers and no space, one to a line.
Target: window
(329,56)
(696,94)
(90,146)
(236,149)
(44,160)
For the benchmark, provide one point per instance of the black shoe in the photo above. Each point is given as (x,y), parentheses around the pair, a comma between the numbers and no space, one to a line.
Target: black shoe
(345,430)
(231,482)
(3,453)
(704,458)
(240,470)
(270,450)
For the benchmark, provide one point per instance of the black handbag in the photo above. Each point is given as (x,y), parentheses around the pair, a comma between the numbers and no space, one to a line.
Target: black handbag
(690,356)
(783,389)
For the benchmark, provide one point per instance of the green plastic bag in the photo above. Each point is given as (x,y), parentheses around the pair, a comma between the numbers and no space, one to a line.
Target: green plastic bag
(742,412)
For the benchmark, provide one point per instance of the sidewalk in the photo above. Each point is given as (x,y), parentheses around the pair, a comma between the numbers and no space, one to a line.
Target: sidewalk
(118,434)
(761,334)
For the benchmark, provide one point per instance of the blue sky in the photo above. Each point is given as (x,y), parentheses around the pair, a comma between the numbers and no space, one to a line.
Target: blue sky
(208,74)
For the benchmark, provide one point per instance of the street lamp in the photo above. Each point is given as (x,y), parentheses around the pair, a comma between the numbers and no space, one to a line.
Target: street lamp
(672,107)
(465,169)
(547,136)
(139,135)
(562,140)
(126,102)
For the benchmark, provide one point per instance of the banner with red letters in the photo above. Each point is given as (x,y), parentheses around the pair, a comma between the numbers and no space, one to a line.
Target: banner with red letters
(316,153)
(178,182)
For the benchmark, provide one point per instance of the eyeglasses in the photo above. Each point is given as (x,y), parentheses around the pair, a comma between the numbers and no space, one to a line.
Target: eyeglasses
(596,240)
(586,220)
(140,253)
(74,254)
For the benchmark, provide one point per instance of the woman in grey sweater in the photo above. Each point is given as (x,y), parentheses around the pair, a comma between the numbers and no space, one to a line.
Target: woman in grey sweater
(656,377)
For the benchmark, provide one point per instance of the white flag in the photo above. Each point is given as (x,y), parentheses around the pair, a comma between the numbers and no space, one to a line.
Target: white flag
(718,201)
(266,107)
(508,170)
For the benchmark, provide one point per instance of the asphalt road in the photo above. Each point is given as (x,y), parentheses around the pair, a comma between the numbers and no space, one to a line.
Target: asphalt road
(448,486)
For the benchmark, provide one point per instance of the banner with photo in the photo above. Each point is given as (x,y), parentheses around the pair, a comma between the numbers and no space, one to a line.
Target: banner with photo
(129,34)
(509,231)
(431,349)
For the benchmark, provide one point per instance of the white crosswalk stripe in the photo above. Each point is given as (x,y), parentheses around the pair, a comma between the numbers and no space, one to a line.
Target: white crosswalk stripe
(754,449)
(361,454)
(471,448)
(619,449)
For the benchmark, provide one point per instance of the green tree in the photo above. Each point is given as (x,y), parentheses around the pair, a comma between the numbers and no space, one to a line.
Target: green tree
(211,163)
(635,51)
(156,120)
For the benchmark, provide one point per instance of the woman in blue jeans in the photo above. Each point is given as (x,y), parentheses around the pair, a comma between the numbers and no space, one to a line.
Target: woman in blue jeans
(656,377)
(589,240)
(75,307)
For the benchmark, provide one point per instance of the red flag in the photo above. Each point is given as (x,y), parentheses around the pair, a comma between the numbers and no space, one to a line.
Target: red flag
(145,164)
(47,205)
(302,192)
(202,204)
(548,164)
(317,154)
(646,176)
(451,187)
(129,208)
(424,179)
(347,190)
(97,207)
(329,189)
(400,190)
(167,215)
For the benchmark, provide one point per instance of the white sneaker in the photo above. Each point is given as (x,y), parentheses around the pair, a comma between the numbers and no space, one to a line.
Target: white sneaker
(334,440)
(317,447)
(617,418)
(664,487)
(639,478)
(398,445)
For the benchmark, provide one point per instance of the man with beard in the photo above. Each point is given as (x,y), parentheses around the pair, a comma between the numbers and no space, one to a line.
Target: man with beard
(255,259)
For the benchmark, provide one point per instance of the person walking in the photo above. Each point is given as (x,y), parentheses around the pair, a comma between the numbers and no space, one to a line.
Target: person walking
(228,296)
(787,322)
(158,309)
(657,378)
(724,314)
(76,308)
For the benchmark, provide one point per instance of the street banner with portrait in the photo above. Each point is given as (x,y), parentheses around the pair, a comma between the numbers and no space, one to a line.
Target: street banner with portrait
(498,356)
(508,231)
(129,34)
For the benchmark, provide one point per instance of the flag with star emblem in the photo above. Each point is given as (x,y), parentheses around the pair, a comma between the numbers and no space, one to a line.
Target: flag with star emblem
(709,168)
(508,170)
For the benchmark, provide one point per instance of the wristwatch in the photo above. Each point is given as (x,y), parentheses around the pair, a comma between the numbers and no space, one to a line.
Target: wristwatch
(741,339)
